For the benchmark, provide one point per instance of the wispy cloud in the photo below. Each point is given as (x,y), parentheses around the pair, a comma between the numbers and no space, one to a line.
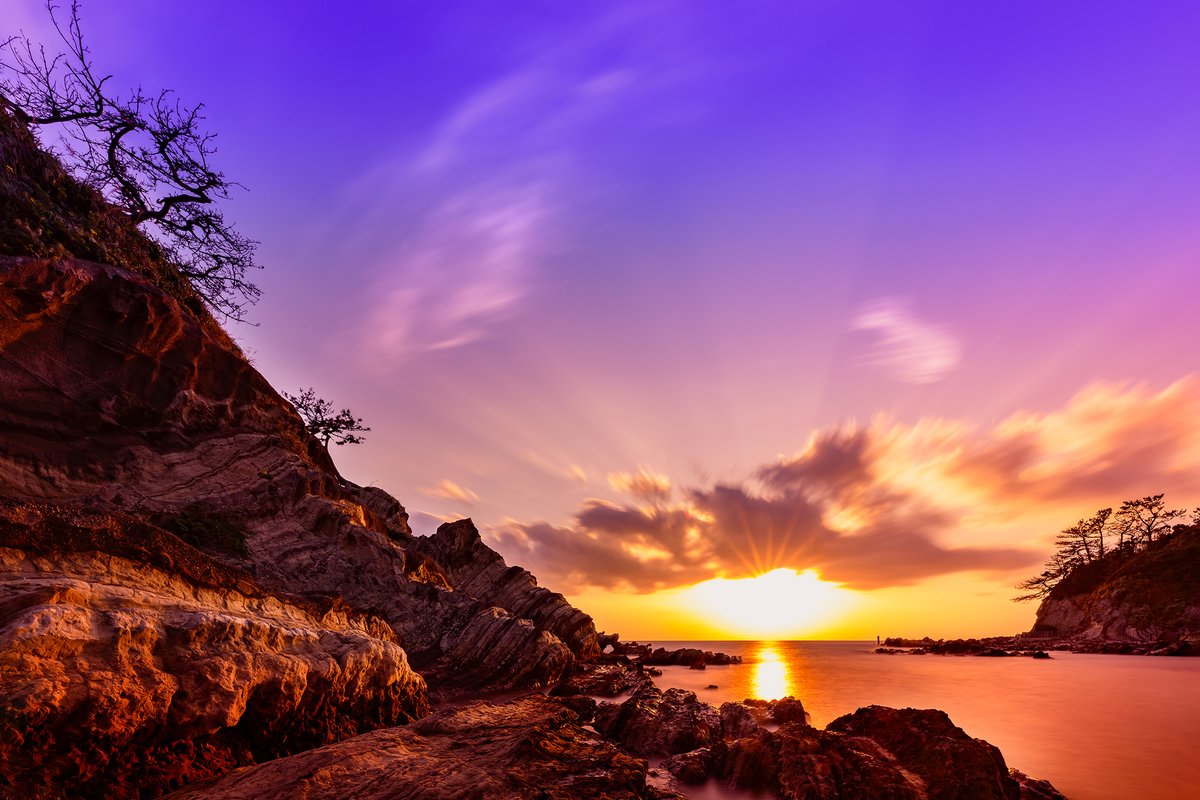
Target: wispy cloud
(907,348)
(645,484)
(449,490)
(490,193)
(468,265)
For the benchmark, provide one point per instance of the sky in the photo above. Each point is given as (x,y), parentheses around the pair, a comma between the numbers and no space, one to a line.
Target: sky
(870,299)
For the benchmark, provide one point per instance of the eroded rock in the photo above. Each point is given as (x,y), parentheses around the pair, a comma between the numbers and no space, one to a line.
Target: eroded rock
(657,723)
(530,748)
(119,673)
(925,742)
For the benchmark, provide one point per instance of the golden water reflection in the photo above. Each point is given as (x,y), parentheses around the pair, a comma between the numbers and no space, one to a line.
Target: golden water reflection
(771,679)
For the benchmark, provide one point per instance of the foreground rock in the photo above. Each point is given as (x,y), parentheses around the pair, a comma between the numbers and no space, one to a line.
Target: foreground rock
(875,752)
(927,744)
(533,748)
(657,723)
(129,659)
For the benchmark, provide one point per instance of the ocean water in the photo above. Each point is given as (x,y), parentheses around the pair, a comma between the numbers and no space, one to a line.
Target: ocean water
(1098,727)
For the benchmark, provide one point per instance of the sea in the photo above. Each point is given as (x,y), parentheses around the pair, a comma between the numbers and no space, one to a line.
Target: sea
(1099,727)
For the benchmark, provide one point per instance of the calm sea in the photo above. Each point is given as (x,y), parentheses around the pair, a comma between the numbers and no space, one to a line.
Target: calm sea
(1098,727)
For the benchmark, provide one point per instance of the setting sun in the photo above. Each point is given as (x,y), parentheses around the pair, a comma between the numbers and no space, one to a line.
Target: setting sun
(780,604)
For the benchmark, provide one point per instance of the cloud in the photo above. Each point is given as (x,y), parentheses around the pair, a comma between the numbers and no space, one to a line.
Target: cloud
(907,348)
(460,228)
(884,503)
(647,485)
(467,265)
(449,490)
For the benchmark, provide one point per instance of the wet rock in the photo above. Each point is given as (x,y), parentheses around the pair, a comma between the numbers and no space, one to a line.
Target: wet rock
(925,742)
(691,768)
(787,709)
(1040,654)
(798,762)
(688,656)
(1034,789)
(529,749)
(605,680)
(657,723)
(737,721)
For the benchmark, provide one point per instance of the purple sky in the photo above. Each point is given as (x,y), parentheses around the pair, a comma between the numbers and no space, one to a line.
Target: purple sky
(541,245)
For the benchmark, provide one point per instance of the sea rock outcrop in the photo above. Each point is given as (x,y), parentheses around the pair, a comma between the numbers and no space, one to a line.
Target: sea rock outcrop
(534,748)
(653,722)
(798,762)
(874,753)
(1148,597)
(926,743)
(130,659)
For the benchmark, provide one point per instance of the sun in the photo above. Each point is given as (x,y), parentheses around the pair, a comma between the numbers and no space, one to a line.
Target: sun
(780,604)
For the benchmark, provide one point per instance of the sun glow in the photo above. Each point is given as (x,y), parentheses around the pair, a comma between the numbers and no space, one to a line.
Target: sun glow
(781,604)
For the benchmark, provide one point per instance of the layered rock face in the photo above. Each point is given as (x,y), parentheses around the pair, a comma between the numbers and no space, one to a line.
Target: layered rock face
(1146,597)
(130,659)
(115,396)
(533,748)
(477,570)
(116,399)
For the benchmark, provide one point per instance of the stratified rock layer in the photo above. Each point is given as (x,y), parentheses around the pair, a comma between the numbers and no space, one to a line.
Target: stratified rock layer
(534,748)
(116,397)
(128,659)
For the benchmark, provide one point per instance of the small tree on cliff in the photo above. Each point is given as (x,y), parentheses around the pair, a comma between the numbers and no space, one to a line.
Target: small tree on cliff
(148,154)
(340,428)
(1142,521)
(1136,525)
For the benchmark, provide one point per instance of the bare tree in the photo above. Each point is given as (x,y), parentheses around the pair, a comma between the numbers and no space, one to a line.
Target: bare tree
(148,154)
(323,423)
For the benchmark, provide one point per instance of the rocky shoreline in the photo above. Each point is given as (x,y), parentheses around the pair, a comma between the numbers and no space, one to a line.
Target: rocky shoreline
(1040,648)
(608,731)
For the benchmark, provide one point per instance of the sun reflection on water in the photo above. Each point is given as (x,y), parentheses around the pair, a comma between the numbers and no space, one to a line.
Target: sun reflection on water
(771,679)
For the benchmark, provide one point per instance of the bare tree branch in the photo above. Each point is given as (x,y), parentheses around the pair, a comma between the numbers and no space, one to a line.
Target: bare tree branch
(147,154)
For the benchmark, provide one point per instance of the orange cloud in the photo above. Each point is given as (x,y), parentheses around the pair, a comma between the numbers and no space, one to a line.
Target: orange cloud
(649,486)
(886,503)
(449,490)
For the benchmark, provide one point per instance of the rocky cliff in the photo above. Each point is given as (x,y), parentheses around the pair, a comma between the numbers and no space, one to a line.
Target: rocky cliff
(1151,596)
(135,439)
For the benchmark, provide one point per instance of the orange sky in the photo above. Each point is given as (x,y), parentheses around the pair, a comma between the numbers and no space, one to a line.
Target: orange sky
(895,529)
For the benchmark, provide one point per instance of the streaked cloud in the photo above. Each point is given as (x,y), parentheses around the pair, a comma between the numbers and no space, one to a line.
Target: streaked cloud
(645,484)
(449,490)
(907,348)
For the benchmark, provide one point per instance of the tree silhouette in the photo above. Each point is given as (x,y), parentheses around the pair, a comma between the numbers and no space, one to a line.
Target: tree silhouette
(148,154)
(1136,525)
(340,428)
(1141,521)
